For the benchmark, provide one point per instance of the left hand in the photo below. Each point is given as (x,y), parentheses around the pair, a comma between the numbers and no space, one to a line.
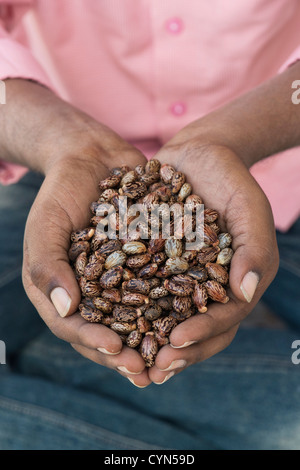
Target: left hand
(224,183)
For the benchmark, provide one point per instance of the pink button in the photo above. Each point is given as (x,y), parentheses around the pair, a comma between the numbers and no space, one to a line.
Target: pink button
(178,109)
(174,25)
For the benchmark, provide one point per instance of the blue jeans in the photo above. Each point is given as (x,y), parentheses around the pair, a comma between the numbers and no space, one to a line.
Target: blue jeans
(246,397)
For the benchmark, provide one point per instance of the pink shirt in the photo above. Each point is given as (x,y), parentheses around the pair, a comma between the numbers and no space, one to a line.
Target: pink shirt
(146,68)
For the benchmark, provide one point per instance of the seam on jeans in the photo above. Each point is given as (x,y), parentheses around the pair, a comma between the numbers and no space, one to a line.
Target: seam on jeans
(9,276)
(293,268)
(90,431)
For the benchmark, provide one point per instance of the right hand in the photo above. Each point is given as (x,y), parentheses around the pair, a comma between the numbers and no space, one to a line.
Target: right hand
(81,158)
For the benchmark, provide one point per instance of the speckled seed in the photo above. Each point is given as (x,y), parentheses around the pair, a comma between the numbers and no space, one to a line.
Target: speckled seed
(164,325)
(200,298)
(89,314)
(210,216)
(181,316)
(129,177)
(207,254)
(152,313)
(134,338)
(181,285)
(83,235)
(134,248)
(173,247)
(104,305)
(148,271)
(133,190)
(80,263)
(176,265)
(182,304)
(112,277)
(76,248)
(89,288)
(149,178)
(138,261)
(143,325)
(133,298)
(217,272)
(110,182)
(216,291)
(225,240)
(109,247)
(117,258)
(113,295)
(225,256)
(152,166)
(158,292)
(93,269)
(209,236)
(184,192)
(198,273)
(137,285)
(123,313)
(156,245)
(177,181)
(167,173)
(149,349)
(123,327)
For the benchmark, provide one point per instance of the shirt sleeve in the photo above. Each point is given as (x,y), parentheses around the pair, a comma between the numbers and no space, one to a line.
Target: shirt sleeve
(16,61)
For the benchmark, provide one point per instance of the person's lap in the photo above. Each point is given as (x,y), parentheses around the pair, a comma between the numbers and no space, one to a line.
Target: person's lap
(52,398)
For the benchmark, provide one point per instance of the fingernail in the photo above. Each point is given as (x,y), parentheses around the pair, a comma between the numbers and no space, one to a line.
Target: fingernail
(184,345)
(249,285)
(139,386)
(109,353)
(61,301)
(179,363)
(126,371)
(167,377)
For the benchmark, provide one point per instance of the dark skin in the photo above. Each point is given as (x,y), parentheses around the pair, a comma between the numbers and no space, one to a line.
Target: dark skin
(74,151)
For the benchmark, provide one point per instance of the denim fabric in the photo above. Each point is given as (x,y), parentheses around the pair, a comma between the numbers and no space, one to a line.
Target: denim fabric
(246,397)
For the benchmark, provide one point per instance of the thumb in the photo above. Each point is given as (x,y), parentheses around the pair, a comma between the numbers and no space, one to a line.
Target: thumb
(46,266)
(255,260)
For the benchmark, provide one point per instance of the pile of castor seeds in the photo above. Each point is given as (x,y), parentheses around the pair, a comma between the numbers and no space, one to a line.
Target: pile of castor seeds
(142,287)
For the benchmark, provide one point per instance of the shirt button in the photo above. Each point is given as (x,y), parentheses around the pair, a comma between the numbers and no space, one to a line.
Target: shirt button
(178,109)
(174,25)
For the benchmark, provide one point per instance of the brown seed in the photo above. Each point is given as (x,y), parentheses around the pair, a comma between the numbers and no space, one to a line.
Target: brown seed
(148,271)
(123,313)
(193,200)
(102,304)
(134,248)
(182,304)
(198,273)
(89,288)
(133,298)
(210,236)
(107,320)
(158,292)
(210,216)
(225,256)
(138,261)
(164,325)
(161,340)
(137,285)
(110,182)
(133,190)
(113,295)
(217,272)
(189,255)
(152,313)
(164,193)
(184,192)
(110,246)
(177,181)
(89,314)
(207,254)
(149,178)
(123,327)
(134,338)
(129,177)
(200,298)
(143,325)
(112,277)
(127,274)
(159,258)
(166,173)
(216,291)
(77,248)
(225,240)
(166,303)
(93,269)
(152,166)
(156,245)
(181,316)
(83,235)
(176,265)
(80,263)
(173,247)
(149,349)
(181,285)
(117,258)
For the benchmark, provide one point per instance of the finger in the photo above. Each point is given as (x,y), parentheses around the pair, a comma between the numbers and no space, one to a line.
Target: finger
(255,260)
(128,363)
(74,329)
(171,361)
